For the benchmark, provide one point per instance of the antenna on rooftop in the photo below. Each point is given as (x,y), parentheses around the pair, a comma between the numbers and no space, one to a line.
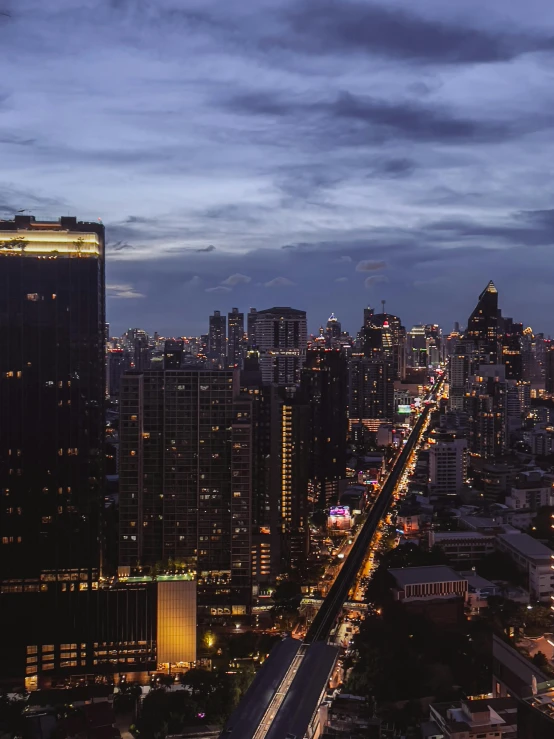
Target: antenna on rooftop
(383,304)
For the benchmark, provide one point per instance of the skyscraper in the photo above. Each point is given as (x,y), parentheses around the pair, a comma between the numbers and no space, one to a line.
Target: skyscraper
(51,396)
(281,338)
(416,355)
(217,340)
(487,405)
(185,478)
(52,387)
(371,392)
(324,388)
(384,339)
(235,348)
(333,331)
(251,327)
(482,328)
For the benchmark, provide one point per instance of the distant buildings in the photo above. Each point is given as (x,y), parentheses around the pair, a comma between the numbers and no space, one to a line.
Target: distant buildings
(235,347)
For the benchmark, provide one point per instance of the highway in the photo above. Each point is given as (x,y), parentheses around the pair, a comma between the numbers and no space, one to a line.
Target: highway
(275,710)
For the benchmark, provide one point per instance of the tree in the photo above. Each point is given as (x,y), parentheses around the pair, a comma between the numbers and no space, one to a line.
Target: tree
(539,659)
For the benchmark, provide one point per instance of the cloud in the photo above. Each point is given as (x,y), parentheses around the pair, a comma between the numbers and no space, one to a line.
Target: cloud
(344,259)
(207,249)
(374,279)
(355,27)
(123,291)
(218,289)
(279,282)
(236,279)
(341,279)
(367,265)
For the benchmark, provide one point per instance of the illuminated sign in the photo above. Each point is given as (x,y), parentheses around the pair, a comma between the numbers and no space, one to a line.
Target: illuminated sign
(404,409)
(342,510)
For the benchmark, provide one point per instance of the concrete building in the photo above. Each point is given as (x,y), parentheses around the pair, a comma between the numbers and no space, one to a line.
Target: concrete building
(490,718)
(281,338)
(463,547)
(448,459)
(426,583)
(534,559)
(532,489)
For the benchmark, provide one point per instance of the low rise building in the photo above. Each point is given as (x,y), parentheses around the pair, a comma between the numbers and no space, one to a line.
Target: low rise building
(424,583)
(532,558)
(532,489)
(474,719)
(463,547)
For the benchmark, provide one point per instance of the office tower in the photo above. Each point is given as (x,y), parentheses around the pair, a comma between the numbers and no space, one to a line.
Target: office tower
(512,356)
(368,316)
(251,327)
(333,331)
(52,387)
(458,376)
(173,354)
(281,338)
(487,406)
(482,328)
(371,393)
(384,339)
(235,348)
(324,388)
(448,461)
(416,347)
(183,481)
(434,344)
(217,340)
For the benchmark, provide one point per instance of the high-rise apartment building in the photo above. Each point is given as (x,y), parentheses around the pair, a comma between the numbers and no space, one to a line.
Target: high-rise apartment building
(487,405)
(458,376)
(371,392)
(173,354)
(217,340)
(52,388)
(482,328)
(185,479)
(333,331)
(281,338)
(324,387)
(448,461)
(235,347)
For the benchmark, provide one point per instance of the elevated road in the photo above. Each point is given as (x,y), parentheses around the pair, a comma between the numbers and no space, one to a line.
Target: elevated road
(276,704)
(338,594)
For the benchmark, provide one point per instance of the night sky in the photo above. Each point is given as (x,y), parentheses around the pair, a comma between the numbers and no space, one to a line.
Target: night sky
(314,153)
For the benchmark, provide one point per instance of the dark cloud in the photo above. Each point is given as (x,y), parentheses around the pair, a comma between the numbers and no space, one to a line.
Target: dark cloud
(347,27)
(351,119)
(206,249)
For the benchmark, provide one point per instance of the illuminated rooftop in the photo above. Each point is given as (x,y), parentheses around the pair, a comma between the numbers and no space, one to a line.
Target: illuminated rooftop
(49,243)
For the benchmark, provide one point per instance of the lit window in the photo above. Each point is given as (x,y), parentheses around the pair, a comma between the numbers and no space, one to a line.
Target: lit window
(33,297)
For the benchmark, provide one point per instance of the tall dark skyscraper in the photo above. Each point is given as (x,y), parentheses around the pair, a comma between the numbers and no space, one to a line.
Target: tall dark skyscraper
(281,338)
(371,392)
(251,327)
(185,478)
(482,328)
(324,387)
(235,348)
(217,340)
(52,387)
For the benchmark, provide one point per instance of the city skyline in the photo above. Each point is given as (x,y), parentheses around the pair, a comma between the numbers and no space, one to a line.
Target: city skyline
(386,162)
